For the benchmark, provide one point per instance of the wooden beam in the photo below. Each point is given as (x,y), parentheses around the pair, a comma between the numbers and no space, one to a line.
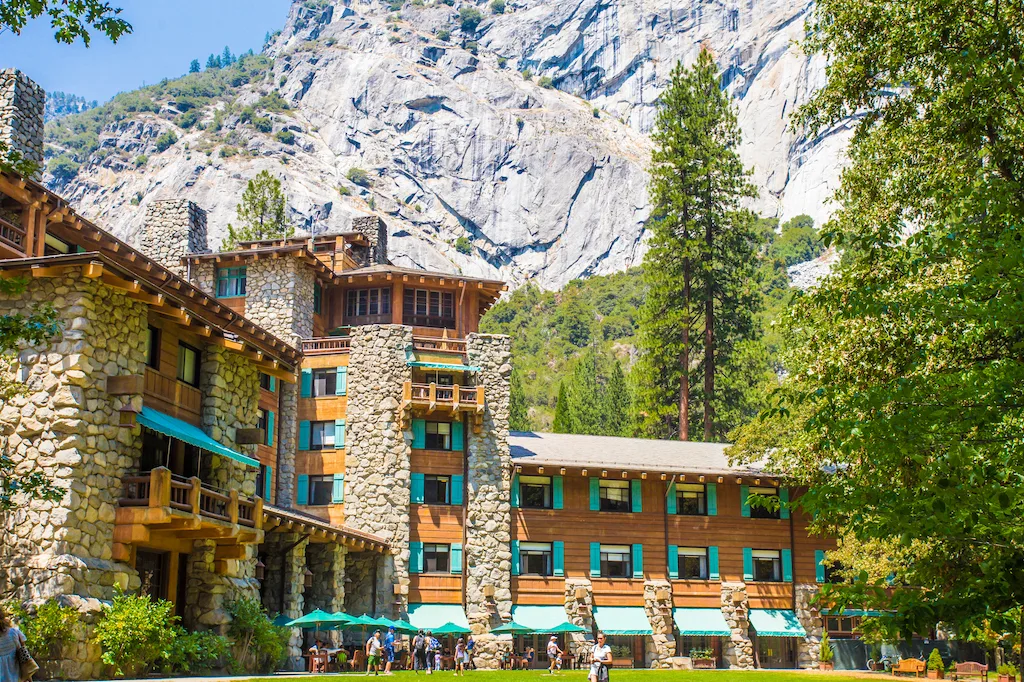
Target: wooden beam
(131,286)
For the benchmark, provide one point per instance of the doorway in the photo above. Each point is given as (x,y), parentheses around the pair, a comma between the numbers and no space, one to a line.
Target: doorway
(776,652)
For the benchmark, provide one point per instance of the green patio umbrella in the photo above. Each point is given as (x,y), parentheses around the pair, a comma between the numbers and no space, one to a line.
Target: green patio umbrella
(564,627)
(314,619)
(400,626)
(451,629)
(282,620)
(512,628)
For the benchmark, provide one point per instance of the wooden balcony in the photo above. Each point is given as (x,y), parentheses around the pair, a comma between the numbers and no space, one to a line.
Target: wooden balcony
(327,345)
(12,237)
(430,399)
(438,344)
(162,510)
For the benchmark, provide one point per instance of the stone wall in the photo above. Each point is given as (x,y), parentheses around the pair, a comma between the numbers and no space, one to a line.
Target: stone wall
(174,228)
(327,563)
(66,426)
(376,232)
(658,605)
(377,460)
(737,650)
(488,505)
(287,443)
(22,102)
(204,277)
(808,648)
(579,607)
(279,297)
(283,588)
(360,569)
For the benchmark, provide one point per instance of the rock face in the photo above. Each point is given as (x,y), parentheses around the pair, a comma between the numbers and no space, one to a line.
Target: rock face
(546,184)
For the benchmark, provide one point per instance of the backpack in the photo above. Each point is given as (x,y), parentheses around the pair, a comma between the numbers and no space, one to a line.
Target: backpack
(419,643)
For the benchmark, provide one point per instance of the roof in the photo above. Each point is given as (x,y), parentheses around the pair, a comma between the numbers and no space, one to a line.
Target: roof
(281,519)
(382,269)
(299,250)
(624,454)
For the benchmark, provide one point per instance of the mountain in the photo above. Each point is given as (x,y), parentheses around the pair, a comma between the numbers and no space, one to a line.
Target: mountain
(520,126)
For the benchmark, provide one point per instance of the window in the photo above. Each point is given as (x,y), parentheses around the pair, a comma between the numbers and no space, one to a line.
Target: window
(691,499)
(616,561)
(53,246)
(321,435)
(615,496)
(364,302)
(265,382)
(325,382)
(535,492)
(230,282)
(833,573)
(535,558)
(261,421)
(318,298)
(428,308)
(438,436)
(760,512)
(261,480)
(150,566)
(320,490)
(188,364)
(693,563)
(437,489)
(767,565)
(436,558)
(842,627)
(153,348)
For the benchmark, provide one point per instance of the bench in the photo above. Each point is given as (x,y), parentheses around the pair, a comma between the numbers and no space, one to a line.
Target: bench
(909,665)
(971,669)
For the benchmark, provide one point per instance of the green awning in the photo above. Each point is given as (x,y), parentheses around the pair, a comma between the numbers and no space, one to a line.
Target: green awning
(776,623)
(539,618)
(444,366)
(851,612)
(317,619)
(175,428)
(701,622)
(431,616)
(622,620)
(452,629)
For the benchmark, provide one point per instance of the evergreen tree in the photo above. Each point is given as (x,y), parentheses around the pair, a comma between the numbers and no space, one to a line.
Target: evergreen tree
(261,213)
(212,62)
(617,404)
(702,297)
(226,58)
(194,66)
(561,423)
(518,412)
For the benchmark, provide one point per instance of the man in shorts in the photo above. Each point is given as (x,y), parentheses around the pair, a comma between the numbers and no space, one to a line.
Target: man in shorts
(554,655)
(373,647)
(389,650)
(601,657)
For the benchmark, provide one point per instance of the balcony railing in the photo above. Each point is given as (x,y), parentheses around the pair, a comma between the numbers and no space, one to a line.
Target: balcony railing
(434,343)
(161,489)
(12,235)
(326,345)
(447,398)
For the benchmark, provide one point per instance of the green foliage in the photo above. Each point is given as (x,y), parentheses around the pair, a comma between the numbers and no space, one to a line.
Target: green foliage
(395,5)
(546,82)
(935,660)
(272,102)
(799,241)
(502,62)
(227,151)
(518,410)
(443,34)
(194,67)
(165,140)
(263,124)
(194,653)
(63,168)
(527,75)
(358,176)
(594,399)
(141,160)
(596,112)
(471,46)
(826,653)
(134,632)
(262,213)
(469,18)
(463,245)
(259,646)
(498,6)
(187,119)
(344,191)
(70,21)
(285,136)
(1007,669)
(48,630)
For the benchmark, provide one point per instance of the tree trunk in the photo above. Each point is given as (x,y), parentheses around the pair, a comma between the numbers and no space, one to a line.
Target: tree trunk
(709,334)
(684,377)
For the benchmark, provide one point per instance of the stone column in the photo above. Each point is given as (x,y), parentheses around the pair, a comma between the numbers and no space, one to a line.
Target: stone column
(377,463)
(376,232)
(287,442)
(22,102)
(658,605)
(174,229)
(579,607)
(283,588)
(808,648)
(327,563)
(738,651)
(279,297)
(488,506)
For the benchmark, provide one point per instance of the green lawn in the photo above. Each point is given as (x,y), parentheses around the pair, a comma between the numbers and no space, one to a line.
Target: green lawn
(616,676)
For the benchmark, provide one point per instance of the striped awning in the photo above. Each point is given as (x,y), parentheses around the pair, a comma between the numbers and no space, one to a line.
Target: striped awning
(622,620)
(776,623)
(193,435)
(701,622)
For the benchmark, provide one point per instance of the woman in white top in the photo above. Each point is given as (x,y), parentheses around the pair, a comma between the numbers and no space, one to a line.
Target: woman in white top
(601,657)
(10,639)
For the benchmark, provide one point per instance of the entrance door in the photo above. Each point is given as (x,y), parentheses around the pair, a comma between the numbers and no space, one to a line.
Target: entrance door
(776,652)
(180,595)
(152,568)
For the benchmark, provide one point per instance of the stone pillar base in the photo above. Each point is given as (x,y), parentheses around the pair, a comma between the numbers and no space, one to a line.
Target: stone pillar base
(738,650)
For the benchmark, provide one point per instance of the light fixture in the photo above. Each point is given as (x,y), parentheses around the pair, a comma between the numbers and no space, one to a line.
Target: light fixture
(260,569)
(307,578)
(584,472)
(643,475)
(757,481)
(664,477)
(562,471)
(701,479)
(721,479)
(739,481)
(540,470)
(625,474)
(127,415)
(604,473)
(489,591)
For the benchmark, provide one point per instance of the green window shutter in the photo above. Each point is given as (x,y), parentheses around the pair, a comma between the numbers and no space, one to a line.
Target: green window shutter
(415,557)
(783,503)
(457,436)
(595,494)
(419,433)
(339,434)
(748,563)
(306,386)
(416,489)
(595,557)
(713,573)
(514,493)
(557,497)
(338,491)
(638,561)
(787,566)
(456,493)
(302,496)
(819,566)
(670,499)
(745,500)
(515,557)
(341,384)
(558,557)
(673,562)
(304,435)
(268,484)
(456,557)
(273,384)
(712,496)
(636,495)
(270,428)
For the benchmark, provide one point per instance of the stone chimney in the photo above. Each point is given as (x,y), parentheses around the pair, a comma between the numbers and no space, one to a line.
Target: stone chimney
(174,229)
(376,232)
(22,102)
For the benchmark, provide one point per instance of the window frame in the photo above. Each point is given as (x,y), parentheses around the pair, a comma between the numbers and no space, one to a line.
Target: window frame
(702,498)
(700,553)
(544,550)
(437,479)
(548,492)
(153,345)
(324,424)
(265,381)
(625,550)
(317,482)
(361,303)
(233,281)
(432,551)
(776,560)
(616,506)
(427,434)
(328,373)
(318,298)
(759,512)
(183,348)
(261,419)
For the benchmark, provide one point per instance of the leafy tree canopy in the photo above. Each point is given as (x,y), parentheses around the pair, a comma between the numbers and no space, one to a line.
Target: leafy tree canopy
(70,20)
(262,213)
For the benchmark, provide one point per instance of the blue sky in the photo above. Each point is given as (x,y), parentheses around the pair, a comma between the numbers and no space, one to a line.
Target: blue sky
(167,35)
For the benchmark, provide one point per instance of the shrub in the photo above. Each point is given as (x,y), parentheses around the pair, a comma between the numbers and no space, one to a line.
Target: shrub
(527,75)
(194,652)
(498,6)
(187,119)
(259,645)
(827,653)
(502,61)
(47,631)
(134,631)
(392,39)
(472,47)
(395,5)
(443,34)
(519,123)
(262,124)
(418,208)
(136,198)
(597,112)
(272,102)
(450,3)
(141,160)
(463,245)
(469,18)
(344,191)
(282,81)
(285,136)
(63,167)
(935,660)
(165,140)
(227,151)
(546,82)
(358,176)
(1007,669)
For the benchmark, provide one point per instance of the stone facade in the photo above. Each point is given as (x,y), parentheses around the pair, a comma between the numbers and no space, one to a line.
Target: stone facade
(377,461)
(283,587)
(174,229)
(661,646)
(22,102)
(279,297)
(376,232)
(738,650)
(808,648)
(579,607)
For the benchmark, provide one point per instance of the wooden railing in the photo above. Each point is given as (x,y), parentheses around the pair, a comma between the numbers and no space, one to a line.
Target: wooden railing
(12,235)
(439,344)
(161,488)
(452,398)
(326,345)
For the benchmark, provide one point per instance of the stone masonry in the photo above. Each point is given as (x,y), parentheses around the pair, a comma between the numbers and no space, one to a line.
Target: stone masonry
(808,648)
(488,505)
(66,425)
(579,607)
(738,650)
(376,232)
(377,462)
(22,102)
(174,228)
(283,588)
(658,606)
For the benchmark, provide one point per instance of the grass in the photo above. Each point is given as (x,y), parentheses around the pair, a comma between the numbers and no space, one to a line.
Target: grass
(615,676)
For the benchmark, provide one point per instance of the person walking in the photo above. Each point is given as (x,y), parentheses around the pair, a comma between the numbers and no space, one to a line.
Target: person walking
(11,639)
(470,664)
(460,657)
(554,655)
(601,658)
(389,650)
(434,652)
(373,647)
(419,653)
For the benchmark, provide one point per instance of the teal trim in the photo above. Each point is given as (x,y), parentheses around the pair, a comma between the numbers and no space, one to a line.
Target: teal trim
(442,365)
(776,623)
(748,563)
(515,491)
(273,384)
(339,434)
(415,557)
(558,558)
(713,573)
(697,622)
(819,566)
(457,436)
(787,566)
(515,557)
(341,381)
(457,490)
(306,384)
(434,616)
(673,562)
(783,503)
(193,435)
(557,496)
(636,497)
(622,620)
(302,494)
(416,489)
(455,558)
(595,558)
(638,561)
(712,498)
(338,489)
(419,433)
(745,501)
(595,494)
(270,428)
(303,435)
(230,282)
(268,483)
(670,499)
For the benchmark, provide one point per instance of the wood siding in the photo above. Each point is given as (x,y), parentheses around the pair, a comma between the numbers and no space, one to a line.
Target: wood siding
(162,389)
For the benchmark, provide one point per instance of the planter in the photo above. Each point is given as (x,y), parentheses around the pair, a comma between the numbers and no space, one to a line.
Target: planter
(875,667)
(1007,678)
(826,666)
(935,675)
(703,663)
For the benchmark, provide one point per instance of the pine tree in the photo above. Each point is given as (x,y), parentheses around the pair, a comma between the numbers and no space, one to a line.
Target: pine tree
(518,412)
(212,62)
(699,269)
(561,423)
(617,404)
(226,58)
(194,66)
(262,213)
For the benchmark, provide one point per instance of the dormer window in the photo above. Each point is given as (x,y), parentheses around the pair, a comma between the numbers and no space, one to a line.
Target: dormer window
(230,282)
